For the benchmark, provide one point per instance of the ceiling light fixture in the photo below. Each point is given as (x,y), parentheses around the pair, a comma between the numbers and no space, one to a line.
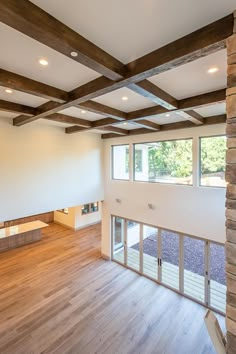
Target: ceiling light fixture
(74,54)
(124,98)
(43,62)
(125,123)
(8,90)
(83,111)
(213,70)
(168,114)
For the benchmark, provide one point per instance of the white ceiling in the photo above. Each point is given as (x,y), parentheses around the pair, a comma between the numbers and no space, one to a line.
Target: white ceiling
(212,110)
(134,102)
(77,112)
(163,119)
(192,79)
(9,115)
(127,126)
(20,54)
(21,97)
(128,29)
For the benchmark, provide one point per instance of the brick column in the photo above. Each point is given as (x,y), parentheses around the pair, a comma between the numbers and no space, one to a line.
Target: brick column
(231,194)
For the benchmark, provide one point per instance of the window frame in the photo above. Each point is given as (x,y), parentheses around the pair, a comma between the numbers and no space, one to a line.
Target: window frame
(200,160)
(112,163)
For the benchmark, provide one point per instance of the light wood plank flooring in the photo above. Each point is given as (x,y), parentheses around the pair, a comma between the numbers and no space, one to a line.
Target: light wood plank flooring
(59,296)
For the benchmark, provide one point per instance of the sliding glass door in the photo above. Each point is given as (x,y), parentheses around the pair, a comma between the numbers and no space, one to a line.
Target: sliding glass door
(194,267)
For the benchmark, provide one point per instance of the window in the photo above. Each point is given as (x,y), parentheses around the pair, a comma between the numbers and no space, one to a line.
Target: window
(89,208)
(165,161)
(212,157)
(120,162)
(65,210)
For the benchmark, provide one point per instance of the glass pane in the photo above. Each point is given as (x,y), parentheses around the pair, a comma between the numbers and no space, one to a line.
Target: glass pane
(120,162)
(150,247)
(85,209)
(165,161)
(170,258)
(217,277)
(194,268)
(118,239)
(133,244)
(213,161)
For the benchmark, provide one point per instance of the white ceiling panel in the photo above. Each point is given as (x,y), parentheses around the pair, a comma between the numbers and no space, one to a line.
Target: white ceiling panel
(192,79)
(77,112)
(212,110)
(127,126)
(164,119)
(21,97)
(134,102)
(20,54)
(130,29)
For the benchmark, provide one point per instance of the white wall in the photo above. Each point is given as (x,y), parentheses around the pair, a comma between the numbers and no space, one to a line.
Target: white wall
(43,169)
(194,210)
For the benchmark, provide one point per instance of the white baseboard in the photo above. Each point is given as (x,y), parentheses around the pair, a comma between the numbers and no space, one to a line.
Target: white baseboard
(77,228)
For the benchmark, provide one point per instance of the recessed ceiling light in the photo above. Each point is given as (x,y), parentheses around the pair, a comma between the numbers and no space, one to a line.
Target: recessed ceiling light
(124,98)
(168,114)
(125,123)
(213,70)
(43,62)
(74,54)
(83,111)
(8,91)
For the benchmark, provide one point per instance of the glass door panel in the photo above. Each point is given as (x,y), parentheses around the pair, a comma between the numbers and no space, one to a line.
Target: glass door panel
(133,245)
(170,259)
(194,268)
(118,239)
(217,277)
(150,251)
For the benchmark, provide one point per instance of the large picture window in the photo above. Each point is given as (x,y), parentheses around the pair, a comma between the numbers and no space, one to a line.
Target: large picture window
(212,161)
(164,161)
(120,162)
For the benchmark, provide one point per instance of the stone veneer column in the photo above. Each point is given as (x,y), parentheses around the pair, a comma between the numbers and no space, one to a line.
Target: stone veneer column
(231,194)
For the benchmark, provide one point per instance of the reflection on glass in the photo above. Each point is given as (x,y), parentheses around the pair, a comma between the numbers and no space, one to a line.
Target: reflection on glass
(133,244)
(118,239)
(217,277)
(194,268)
(150,246)
(170,258)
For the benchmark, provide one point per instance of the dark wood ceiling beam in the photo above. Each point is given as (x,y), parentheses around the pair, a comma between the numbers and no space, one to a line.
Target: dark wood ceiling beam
(148,124)
(26,17)
(116,130)
(197,44)
(192,116)
(23,84)
(63,118)
(17,108)
(154,93)
(202,100)
(188,48)
(99,108)
(173,126)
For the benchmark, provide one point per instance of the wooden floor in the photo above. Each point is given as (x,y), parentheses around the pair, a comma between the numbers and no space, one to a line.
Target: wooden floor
(59,296)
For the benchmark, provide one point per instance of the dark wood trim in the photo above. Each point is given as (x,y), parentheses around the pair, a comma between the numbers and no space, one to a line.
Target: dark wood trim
(23,84)
(116,130)
(103,122)
(154,93)
(203,100)
(173,126)
(192,116)
(8,106)
(26,17)
(148,124)
(63,118)
(99,108)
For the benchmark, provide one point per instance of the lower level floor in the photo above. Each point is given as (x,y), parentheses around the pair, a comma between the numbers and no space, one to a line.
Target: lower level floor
(59,296)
